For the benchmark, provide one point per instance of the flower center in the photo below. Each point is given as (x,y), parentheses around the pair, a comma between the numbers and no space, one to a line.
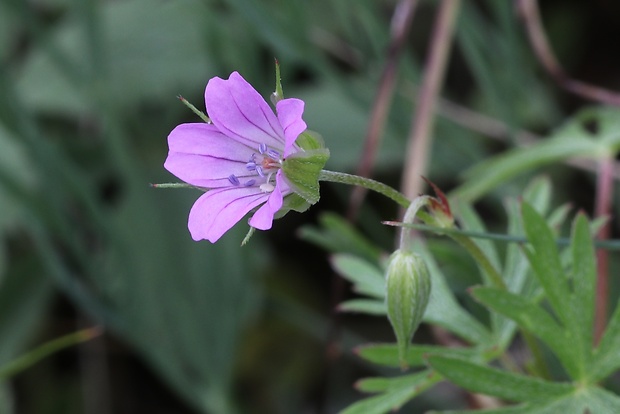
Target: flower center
(264,164)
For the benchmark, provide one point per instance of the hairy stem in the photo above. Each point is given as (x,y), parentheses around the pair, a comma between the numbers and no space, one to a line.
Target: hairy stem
(386,190)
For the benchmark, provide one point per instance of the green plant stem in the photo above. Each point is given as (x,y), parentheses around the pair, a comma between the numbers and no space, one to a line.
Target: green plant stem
(386,190)
(32,357)
(483,261)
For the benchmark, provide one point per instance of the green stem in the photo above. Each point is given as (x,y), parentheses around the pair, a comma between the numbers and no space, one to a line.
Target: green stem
(386,190)
(30,358)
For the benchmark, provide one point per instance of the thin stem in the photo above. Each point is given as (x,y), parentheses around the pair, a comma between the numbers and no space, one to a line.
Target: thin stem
(540,45)
(32,357)
(386,190)
(609,244)
(401,22)
(419,138)
(604,193)
(483,261)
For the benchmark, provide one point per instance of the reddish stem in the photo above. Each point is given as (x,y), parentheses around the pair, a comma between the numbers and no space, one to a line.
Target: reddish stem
(419,137)
(540,45)
(401,22)
(604,196)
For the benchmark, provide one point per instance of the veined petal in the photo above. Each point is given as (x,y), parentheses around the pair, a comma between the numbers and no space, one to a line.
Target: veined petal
(289,114)
(240,112)
(263,218)
(202,156)
(216,211)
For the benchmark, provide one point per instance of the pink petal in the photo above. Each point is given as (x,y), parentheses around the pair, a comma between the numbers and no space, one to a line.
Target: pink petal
(216,211)
(289,115)
(263,218)
(201,155)
(240,112)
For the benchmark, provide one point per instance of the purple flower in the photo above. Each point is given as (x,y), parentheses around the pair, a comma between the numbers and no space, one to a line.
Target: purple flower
(238,157)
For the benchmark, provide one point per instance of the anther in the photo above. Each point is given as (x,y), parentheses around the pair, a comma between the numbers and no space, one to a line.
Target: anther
(249,183)
(262,148)
(233,179)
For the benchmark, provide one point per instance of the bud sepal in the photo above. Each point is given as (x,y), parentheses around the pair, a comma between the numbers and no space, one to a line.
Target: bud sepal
(408,288)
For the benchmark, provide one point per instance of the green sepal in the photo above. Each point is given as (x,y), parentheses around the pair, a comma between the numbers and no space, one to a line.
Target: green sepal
(292,202)
(310,140)
(408,288)
(302,169)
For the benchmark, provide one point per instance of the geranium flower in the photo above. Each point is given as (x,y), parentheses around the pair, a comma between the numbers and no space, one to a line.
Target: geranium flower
(238,157)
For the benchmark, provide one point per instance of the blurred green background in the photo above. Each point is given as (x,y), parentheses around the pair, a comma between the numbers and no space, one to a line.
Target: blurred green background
(87,97)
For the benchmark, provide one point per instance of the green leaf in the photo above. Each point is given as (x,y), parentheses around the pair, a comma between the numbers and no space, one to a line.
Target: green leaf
(545,261)
(444,310)
(598,400)
(471,221)
(600,124)
(606,356)
(368,306)
(538,194)
(382,403)
(388,384)
(584,285)
(496,382)
(398,392)
(531,317)
(302,169)
(337,235)
(489,174)
(367,279)
(387,354)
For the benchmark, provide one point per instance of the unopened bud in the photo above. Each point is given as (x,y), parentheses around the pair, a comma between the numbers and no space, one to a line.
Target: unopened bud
(408,289)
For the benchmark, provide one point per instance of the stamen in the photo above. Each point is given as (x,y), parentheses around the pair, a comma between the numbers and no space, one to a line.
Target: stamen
(259,171)
(249,183)
(262,148)
(233,179)
(251,166)
(273,154)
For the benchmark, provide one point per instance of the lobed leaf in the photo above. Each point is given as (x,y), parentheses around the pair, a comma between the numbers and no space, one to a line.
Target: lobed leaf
(387,354)
(388,384)
(545,261)
(366,278)
(531,317)
(368,306)
(606,358)
(496,382)
(584,285)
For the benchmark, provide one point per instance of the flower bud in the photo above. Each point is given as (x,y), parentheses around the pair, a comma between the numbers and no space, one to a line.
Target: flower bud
(408,289)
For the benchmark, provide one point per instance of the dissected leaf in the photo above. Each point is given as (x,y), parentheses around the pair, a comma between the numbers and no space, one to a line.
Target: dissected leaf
(545,261)
(367,279)
(496,382)
(367,306)
(387,354)
(444,310)
(531,317)
(388,384)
